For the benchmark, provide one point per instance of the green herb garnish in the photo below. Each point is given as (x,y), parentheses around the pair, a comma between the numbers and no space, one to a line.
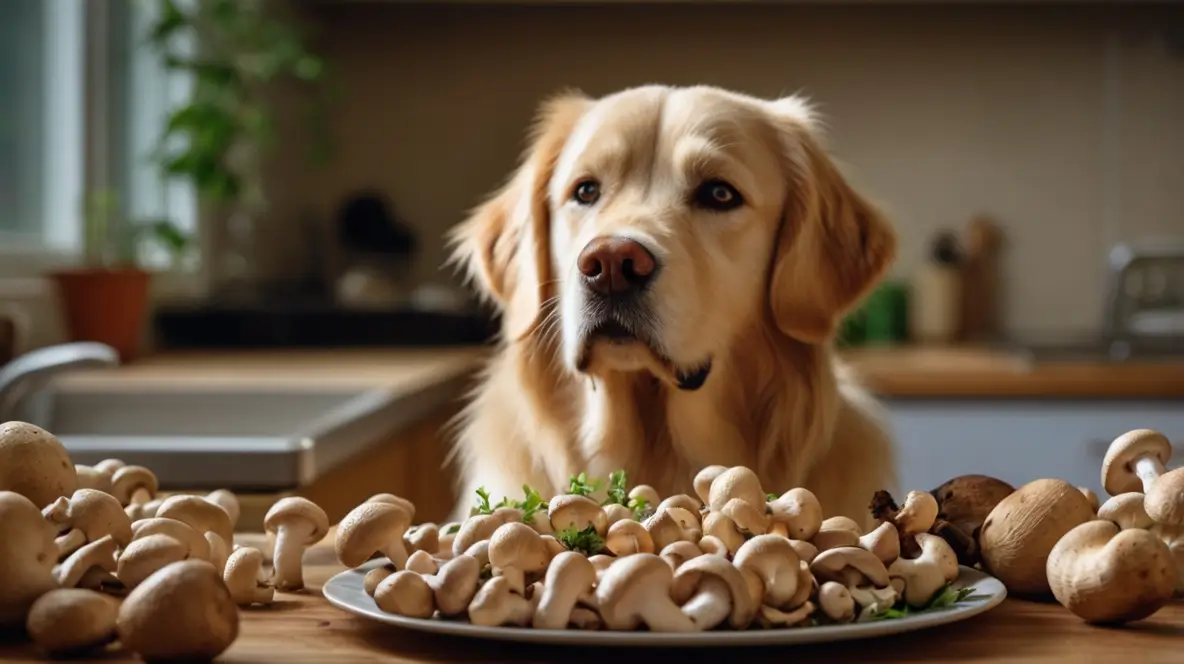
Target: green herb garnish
(482,506)
(770,497)
(942,599)
(580,486)
(640,507)
(452,529)
(585,541)
(618,493)
(531,503)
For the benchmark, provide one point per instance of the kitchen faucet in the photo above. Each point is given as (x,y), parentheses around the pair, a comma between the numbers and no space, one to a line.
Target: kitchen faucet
(22,378)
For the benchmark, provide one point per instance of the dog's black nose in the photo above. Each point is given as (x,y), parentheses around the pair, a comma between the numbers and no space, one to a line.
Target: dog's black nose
(616,265)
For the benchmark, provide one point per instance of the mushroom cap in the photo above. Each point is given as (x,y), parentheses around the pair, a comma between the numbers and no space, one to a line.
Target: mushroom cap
(666,527)
(1091,497)
(496,604)
(647,493)
(1107,575)
(613,512)
(681,500)
(392,499)
(109,466)
(375,576)
(365,530)
(71,620)
(737,482)
(455,584)
(884,542)
(626,537)
(127,480)
(578,512)
(242,573)
(1165,501)
(201,514)
(1022,529)
(688,575)
(929,572)
(93,512)
(476,529)
(844,563)
(35,464)
(184,533)
(836,602)
(1127,510)
(423,537)
(517,545)
(1118,466)
(800,511)
(295,510)
(146,555)
(92,478)
(835,532)
(423,562)
(841,523)
(405,593)
(747,517)
(710,544)
(703,480)
(772,559)
(627,581)
(226,500)
(917,514)
(966,500)
(677,553)
(183,611)
(569,576)
(27,557)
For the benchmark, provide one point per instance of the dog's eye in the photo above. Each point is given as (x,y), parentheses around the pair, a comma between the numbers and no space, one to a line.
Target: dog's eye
(718,195)
(587,192)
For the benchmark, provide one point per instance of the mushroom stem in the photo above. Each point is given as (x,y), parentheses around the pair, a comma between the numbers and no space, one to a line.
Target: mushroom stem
(70,542)
(710,605)
(1148,468)
(515,579)
(140,496)
(289,555)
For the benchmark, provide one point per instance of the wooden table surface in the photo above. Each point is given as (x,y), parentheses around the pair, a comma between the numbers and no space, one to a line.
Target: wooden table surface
(305,628)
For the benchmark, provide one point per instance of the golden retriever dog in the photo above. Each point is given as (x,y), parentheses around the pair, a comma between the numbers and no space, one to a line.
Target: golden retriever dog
(670,265)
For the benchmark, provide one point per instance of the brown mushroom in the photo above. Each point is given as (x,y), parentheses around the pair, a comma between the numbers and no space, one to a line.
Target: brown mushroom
(711,590)
(298,523)
(27,557)
(194,541)
(723,528)
(200,513)
(97,554)
(677,553)
(570,579)
(627,537)
(644,493)
(398,501)
(635,590)
(884,542)
(133,484)
(246,579)
(798,512)
(144,556)
(966,500)
(424,537)
(496,604)
(749,519)
(670,525)
(709,544)
(836,532)
(1165,501)
(683,501)
(228,502)
(702,483)
(568,512)
(1126,510)
(477,528)
(405,593)
(1090,496)
(85,517)
(422,562)
(455,584)
(35,464)
(515,551)
(183,611)
(737,482)
(771,568)
(369,528)
(375,576)
(68,622)
(92,478)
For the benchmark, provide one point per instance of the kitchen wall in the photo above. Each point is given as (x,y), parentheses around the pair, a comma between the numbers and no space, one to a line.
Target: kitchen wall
(1063,123)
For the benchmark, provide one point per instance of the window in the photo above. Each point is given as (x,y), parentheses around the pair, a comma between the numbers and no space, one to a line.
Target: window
(82,102)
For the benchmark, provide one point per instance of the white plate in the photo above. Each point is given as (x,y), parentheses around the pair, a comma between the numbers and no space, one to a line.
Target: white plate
(345,592)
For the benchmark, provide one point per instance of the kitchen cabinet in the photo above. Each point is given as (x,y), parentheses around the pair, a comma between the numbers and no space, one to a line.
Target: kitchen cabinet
(1019,440)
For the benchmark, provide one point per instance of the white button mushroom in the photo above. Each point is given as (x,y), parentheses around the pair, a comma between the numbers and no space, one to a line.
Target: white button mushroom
(27,557)
(371,528)
(613,513)
(737,482)
(677,553)
(861,572)
(749,519)
(711,590)
(227,501)
(570,579)
(92,478)
(724,529)
(573,512)
(86,516)
(183,611)
(246,579)
(298,523)
(1134,461)
(1105,575)
(35,464)
(198,545)
(836,602)
(455,584)
(422,562)
(798,512)
(69,622)
(702,483)
(97,554)
(883,541)
(1126,510)
(710,544)
(138,511)
(515,551)
(928,573)
(627,537)
(405,593)
(683,501)
(132,485)
(836,532)
(496,604)
(770,561)
(635,590)
(646,495)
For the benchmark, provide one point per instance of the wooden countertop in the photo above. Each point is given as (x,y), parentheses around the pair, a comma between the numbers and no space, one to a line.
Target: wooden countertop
(955,372)
(305,628)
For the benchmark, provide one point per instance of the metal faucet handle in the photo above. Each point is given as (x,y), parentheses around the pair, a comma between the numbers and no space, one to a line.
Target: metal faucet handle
(23,375)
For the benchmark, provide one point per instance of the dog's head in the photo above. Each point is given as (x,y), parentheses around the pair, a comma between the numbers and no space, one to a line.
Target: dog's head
(653,226)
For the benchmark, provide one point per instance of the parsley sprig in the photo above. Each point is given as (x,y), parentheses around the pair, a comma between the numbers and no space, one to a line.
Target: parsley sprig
(531,503)
(586,541)
(579,485)
(618,494)
(942,599)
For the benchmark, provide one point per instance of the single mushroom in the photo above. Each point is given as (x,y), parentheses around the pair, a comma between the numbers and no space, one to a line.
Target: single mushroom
(1127,510)
(27,557)
(496,604)
(702,482)
(480,551)
(861,572)
(966,500)
(369,528)
(97,554)
(515,551)
(916,515)
(723,528)
(68,622)
(711,590)
(770,566)
(884,542)
(144,556)
(682,500)
(85,517)
(807,586)
(573,512)
(455,584)
(773,617)
(749,519)
(424,537)
(392,499)
(1106,575)
(204,516)
(184,611)
(613,513)
(228,502)
(928,573)
(670,525)
(246,579)
(405,593)
(836,532)
(836,602)
(35,464)
(1165,501)
(375,576)
(570,579)
(712,545)
(476,529)
(133,484)
(798,513)
(1134,461)
(92,478)
(138,511)
(636,590)
(627,537)
(677,553)
(198,545)
(737,482)
(422,562)
(645,494)
(1019,533)
(298,523)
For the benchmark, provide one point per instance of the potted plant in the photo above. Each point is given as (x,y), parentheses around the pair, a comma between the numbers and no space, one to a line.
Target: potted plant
(105,299)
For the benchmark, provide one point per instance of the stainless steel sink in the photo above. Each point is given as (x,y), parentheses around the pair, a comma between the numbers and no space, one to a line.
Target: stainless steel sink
(242,439)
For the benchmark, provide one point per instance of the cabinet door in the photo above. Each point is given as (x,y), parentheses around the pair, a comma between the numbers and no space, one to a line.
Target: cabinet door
(1019,441)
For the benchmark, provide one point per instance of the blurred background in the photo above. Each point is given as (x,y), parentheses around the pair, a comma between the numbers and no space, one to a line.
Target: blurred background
(247,200)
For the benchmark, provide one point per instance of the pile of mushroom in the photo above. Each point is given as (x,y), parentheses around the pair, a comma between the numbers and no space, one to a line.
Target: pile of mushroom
(90,556)
(730,557)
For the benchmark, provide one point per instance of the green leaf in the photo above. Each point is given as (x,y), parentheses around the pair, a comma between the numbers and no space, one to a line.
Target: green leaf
(482,506)
(640,507)
(531,503)
(579,485)
(770,497)
(452,529)
(586,541)
(946,597)
(618,492)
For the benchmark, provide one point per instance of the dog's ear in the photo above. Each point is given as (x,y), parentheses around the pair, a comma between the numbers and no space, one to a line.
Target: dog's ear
(504,245)
(833,245)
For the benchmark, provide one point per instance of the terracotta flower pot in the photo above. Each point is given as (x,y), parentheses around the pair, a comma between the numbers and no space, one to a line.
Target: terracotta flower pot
(105,305)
